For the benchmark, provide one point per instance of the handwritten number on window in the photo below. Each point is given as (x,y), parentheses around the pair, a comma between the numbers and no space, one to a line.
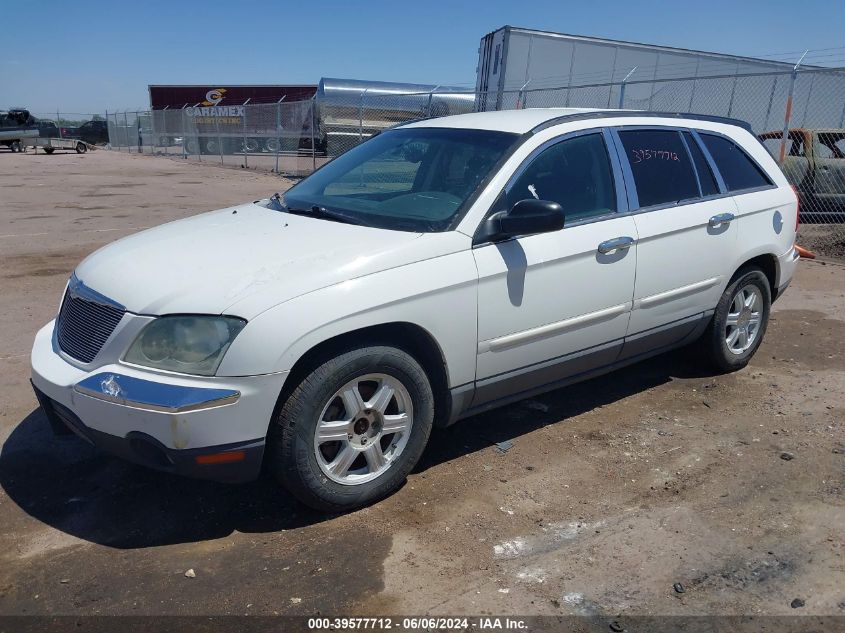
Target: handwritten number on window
(641,155)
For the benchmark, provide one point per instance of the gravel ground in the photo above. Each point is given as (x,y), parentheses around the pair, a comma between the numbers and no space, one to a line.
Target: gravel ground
(614,490)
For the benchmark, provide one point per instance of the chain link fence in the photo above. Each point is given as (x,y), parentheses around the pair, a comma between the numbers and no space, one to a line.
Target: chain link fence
(799,116)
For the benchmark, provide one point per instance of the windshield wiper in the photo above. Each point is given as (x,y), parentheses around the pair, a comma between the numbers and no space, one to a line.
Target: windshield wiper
(326,214)
(316,211)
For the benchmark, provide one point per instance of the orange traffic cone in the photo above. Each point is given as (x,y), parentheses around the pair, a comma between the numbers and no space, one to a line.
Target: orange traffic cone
(804,253)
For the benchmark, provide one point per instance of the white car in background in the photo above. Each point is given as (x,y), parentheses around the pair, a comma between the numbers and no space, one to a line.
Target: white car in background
(438,270)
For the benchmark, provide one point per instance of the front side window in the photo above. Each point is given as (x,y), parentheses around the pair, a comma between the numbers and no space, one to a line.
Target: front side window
(738,170)
(663,173)
(412,179)
(575,173)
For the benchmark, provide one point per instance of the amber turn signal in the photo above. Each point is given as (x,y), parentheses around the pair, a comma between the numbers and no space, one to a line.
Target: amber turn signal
(221,458)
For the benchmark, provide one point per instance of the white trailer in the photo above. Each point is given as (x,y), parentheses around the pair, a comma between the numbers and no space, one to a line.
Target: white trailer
(50,145)
(527,68)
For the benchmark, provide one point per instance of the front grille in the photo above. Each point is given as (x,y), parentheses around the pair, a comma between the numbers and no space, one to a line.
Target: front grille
(83,326)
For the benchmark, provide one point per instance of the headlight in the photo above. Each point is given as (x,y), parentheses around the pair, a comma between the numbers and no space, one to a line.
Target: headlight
(187,344)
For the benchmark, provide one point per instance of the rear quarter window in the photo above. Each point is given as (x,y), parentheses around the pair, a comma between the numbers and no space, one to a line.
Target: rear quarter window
(738,169)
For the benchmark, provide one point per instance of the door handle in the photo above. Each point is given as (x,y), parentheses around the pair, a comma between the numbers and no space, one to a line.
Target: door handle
(722,218)
(616,244)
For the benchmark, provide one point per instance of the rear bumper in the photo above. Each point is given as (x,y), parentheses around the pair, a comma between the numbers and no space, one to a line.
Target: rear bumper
(786,269)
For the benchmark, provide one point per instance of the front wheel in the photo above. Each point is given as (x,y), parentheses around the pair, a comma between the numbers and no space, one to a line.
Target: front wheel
(739,323)
(352,430)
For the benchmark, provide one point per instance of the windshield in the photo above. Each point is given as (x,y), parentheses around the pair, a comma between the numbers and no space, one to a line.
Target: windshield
(413,179)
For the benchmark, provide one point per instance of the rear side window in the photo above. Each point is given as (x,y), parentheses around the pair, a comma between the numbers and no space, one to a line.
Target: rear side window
(738,170)
(705,174)
(663,173)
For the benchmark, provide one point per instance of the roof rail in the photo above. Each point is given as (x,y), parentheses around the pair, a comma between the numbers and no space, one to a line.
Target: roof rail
(606,114)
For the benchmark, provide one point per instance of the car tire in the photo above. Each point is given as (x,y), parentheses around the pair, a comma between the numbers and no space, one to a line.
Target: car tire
(336,471)
(15,146)
(81,148)
(49,150)
(739,323)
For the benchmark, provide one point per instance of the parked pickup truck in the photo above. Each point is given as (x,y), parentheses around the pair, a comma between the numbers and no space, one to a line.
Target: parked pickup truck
(94,132)
(814,163)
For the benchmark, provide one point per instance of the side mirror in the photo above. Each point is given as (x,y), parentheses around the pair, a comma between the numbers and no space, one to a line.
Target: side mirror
(526,217)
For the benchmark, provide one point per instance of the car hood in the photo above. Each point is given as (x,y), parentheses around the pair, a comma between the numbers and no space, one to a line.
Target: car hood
(239,261)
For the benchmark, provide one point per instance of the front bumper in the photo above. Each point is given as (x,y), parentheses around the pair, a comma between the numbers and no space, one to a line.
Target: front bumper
(211,428)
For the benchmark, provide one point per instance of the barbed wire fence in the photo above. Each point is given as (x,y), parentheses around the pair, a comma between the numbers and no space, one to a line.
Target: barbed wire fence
(799,115)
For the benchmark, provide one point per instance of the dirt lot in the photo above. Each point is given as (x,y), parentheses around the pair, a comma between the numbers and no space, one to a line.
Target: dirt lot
(614,489)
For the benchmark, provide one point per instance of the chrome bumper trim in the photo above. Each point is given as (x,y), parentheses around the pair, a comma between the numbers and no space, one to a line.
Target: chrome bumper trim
(153,396)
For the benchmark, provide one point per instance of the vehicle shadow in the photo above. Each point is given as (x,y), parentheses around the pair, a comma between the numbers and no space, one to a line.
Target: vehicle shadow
(69,485)
(500,425)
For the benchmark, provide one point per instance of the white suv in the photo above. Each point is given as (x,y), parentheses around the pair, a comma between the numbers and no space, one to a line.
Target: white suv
(440,269)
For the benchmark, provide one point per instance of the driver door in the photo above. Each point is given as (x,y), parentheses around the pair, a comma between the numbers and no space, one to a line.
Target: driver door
(557,304)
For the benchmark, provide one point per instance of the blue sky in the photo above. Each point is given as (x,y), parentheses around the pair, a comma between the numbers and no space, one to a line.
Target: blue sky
(102,55)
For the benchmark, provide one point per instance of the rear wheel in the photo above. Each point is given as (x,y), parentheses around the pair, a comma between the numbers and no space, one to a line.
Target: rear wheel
(739,323)
(49,150)
(16,146)
(81,148)
(353,429)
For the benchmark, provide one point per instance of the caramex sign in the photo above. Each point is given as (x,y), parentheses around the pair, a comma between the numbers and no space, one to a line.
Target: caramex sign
(219,114)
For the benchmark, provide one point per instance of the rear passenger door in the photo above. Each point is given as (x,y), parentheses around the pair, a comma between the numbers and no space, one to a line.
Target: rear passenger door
(687,234)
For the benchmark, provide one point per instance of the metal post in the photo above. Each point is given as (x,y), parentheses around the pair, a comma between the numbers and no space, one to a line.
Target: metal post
(184,133)
(622,88)
(692,92)
(788,112)
(771,102)
(430,96)
(164,120)
(731,100)
(219,140)
(279,130)
(521,99)
(313,134)
(59,123)
(107,125)
(246,157)
(126,132)
(361,117)
(278,127)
